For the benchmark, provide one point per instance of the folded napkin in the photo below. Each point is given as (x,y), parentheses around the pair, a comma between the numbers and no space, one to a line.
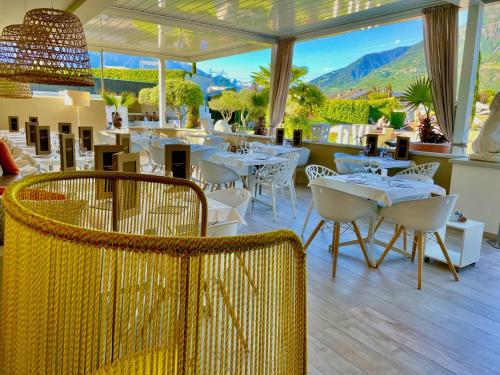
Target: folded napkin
(400,184)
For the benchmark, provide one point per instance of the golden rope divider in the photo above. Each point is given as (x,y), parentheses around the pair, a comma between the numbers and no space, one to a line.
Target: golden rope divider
(83,295)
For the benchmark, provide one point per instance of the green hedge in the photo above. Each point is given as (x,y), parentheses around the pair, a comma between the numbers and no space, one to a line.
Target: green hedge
(138,75)
(345,111)
(381,107)
(398,119)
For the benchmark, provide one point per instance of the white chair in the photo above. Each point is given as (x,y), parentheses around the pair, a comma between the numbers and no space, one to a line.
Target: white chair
(340,208)
(223,127)
(313,172)
(196,156)
(423,172)
(422,216)
(293,160)
(277,176)
(157,157)
(216,175)
(103,138)
(345,167)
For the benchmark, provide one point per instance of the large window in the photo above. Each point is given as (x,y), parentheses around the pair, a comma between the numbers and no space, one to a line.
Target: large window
(489,71)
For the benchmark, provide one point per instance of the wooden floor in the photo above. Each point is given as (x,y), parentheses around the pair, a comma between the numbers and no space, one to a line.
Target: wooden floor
(375,321)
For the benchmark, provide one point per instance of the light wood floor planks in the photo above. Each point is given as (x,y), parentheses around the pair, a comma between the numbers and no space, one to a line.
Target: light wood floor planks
(375,321)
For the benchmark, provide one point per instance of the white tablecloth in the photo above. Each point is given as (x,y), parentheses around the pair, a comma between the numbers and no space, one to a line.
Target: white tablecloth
(240,161)
(219,212)
(384,163)
(384,192)
(277,150)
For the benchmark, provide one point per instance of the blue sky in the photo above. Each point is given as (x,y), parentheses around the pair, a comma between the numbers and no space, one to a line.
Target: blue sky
(325,54)
(330,53)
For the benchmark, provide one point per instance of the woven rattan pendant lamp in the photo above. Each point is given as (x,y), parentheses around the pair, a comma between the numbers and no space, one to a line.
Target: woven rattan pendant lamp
(52,49)
(14,90)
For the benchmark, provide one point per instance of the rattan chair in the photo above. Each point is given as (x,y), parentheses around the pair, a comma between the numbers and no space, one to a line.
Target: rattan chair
(129,300)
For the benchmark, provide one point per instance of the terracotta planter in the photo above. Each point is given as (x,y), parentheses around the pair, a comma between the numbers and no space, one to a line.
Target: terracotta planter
(440,148)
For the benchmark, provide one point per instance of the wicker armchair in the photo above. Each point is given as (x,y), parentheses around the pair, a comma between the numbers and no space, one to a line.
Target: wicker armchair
(82,296)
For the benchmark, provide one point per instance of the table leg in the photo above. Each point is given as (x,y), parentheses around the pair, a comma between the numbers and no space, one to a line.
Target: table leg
(370,245)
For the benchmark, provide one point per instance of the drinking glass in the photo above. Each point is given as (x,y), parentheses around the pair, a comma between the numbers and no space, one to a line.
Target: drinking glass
(367,149)
(374,167)
(366,166)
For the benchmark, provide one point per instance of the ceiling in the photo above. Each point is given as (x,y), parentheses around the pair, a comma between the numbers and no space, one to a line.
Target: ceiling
(195,30)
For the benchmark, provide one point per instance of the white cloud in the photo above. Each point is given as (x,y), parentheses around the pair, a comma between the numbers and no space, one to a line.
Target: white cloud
(397,41)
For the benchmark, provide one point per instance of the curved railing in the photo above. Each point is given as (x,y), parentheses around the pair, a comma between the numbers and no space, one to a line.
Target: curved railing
(107,272)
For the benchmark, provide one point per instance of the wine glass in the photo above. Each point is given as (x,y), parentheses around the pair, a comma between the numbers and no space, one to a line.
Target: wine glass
(374,167)
(368,147)
(366,166)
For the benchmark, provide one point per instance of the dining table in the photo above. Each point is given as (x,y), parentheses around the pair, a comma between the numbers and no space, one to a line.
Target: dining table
(382,191)
(383,163)
(244,164)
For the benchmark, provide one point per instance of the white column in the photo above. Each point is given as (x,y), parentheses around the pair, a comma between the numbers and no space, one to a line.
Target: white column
(468,78)
(161,97)
(101,60)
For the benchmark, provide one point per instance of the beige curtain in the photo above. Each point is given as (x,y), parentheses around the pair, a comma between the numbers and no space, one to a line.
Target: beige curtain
(441,43)
(280,81)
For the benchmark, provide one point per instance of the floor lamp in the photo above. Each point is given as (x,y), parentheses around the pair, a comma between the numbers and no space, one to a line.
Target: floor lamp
(77,99)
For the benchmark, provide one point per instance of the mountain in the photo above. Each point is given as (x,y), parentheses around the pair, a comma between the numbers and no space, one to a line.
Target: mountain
(402,66)
(349,76)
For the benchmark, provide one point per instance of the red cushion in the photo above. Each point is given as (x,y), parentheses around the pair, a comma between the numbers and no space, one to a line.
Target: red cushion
(8,163)
(40,195)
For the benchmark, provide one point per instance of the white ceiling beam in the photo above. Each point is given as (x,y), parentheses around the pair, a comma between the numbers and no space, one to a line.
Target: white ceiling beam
(128,14)
(86,10)
(228,52)
(393,12)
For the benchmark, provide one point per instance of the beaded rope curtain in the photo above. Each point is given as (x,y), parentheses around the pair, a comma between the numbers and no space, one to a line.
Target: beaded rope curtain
(124,284)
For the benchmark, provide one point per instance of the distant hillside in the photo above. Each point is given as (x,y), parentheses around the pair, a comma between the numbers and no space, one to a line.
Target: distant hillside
(351,75)
(403,66)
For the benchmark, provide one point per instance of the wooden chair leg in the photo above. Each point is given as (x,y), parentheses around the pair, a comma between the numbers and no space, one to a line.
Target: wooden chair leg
(335,247)
(446,255)
(420,246)
(389,246)
(314,233)
(404,239)
(379,222)
(414,248)
(361,243)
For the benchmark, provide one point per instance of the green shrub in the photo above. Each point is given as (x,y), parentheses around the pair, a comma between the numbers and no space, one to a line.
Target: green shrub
(345,111)
(138,75)
(293,122)
(398,119)
(382,107)
(378,95)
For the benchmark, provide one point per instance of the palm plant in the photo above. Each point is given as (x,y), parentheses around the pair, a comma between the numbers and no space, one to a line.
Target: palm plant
(262,78)
(125,99)
(259,103)
(419,93)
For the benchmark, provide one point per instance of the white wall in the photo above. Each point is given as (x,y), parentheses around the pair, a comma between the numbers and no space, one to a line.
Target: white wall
(50,111)
(478,187)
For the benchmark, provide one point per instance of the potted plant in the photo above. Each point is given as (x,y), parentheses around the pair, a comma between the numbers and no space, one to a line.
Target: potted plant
(419,93)
(259,105)
(125,99)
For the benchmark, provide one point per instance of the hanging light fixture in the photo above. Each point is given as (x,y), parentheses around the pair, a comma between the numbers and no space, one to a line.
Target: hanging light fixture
(51,49)
(14,90)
